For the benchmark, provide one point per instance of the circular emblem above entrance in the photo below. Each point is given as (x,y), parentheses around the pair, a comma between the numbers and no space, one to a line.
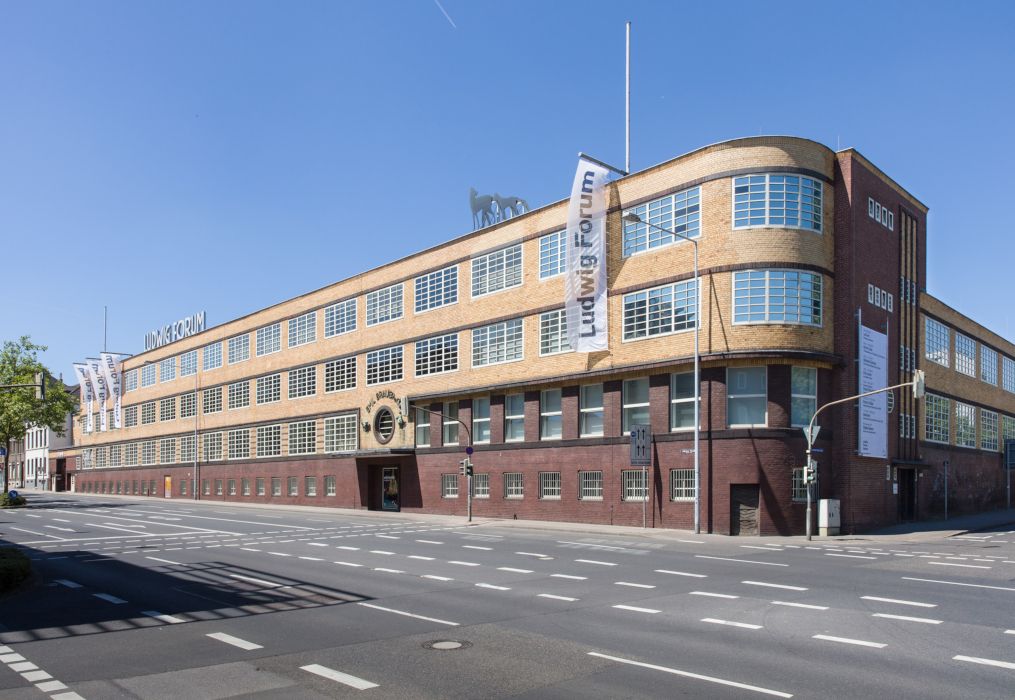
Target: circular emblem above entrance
(384,425)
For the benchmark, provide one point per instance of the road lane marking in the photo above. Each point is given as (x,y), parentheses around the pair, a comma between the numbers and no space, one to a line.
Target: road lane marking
(513,570)
(429,541)
(463,563)
(806,606)
(688,674)
(388,537)
(473,546)
(1009,631)
(490,585)
(774,585)
(317,544)
(389,571)
(381,551)
(848,556)
(275,554)
(985,662)
(348,548)
(569,577)
(437,578)
(312,558)
(899,602)
(245,549)
(730,623)
(752,546)
(533,554)
(964,566)
(109,598)
(339,677)
(740,561)
(421,558)
(164,561)
(692,541)
(409,614)
(68,583)
(348,563)
(57,527)
(593,561)
(235,641)
(632,585)
(556,597)
(958,583)
(636,609)
(258,581)
(846,640)
(680,573)
(33,532)
(170,619)
(714,595)
(904,618)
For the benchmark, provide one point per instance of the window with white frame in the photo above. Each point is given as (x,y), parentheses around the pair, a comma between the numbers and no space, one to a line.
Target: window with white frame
(514,417)
(449,485)
(269,339)
(130,455)
(130,416)
(310,486)
(269,389)
(501,269)
(148,452)
(747,397)
(660,311)
(436,289)
(239,394)
(293,486)
(238,349)
(212,446)
(803,395)
(100,459)
(590,485)
(239,443)
(167,451)
(682,401)
(384,365)
(340,433)
(147,375)
(798,487)
(147,413)
(1007,428)
(211,400)
(988,365)
(965,355)
(340,318)
(211,356)
(340,374)
(988,430)
(550,415)
(167,409)
(965,425)
(302,382)
(480,485)
(936,342)
(634,485)
(481,420)
(500,342)
(269,441)
(773,199)
(330,486)
(423,428)
(303,329)
(188,443)
(937,414)
(449,423)
(681,484)
(679,212)
(777,296)
(276,486)
(167,369)
(1008,374)
(514,485)
(552,254)
(245,486)
(437,355)
(549,486)
(188,405)
(303,437)
(115,452)
(130,380)
(553,333)
(636,403)
(590,410)
(384,305)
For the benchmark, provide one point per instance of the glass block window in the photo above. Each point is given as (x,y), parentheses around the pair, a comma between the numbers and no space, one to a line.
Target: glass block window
(130,380)
(148,413)
(501,342)
(310,486)
(269,389)
(965,425)
(269,339)
(303,437)
(167,451)
(777,200)
(147,375)
(188,405)
(590,410)
(188,446)
(130,416)
(188,363)
(682,401)
(340,433)
(634,485)
(167,409)
(449,485)
(437,289)
(514,485)
(680,212)
(988,430)
(167,369)
(422,428)
(550,415)
(660,311)
(239,394)
(239,443)
(747,397)
(302,382)
(384,305)
(501,269)
(549,486)
(211,356)
(936,342)
(777,296)
(636,403)
(965,355)
(480,485)
(590,485)
(340,318)
(130,455)
(552,254)
(481,420)
(988,365)
(238,348)
(211,400)
(449,423)
(303,329)
(384,365)
(514,418)
(937,414)
(436,355)
(804,395)
(553,333)
(1008,373)
(340,374)
(330,486)
(681,484)
(148,452)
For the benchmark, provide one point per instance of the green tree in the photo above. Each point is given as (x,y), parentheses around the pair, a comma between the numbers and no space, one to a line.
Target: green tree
(19,406)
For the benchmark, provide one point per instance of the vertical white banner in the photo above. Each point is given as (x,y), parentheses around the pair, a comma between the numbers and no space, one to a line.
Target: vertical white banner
(873,424)
(585,283)
(95,374)
(111,373)
(86,393)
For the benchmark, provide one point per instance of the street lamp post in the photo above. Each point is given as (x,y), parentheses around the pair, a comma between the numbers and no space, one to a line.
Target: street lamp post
(633,218)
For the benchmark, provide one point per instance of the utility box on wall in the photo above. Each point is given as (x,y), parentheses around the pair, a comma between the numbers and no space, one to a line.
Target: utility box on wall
(828,517)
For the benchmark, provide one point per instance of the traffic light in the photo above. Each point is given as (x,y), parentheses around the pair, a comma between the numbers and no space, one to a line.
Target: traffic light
(811,472)
(919,384)
(463,468)
(40,386)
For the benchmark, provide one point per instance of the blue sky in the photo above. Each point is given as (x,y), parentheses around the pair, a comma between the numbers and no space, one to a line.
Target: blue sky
(164,158)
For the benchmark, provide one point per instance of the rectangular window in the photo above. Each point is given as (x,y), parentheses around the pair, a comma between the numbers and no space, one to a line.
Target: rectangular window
(310,486)
(437,289)
(340,433)
(211,356)
(148,452)
(188,445)
(777,296)
(147,375)
(514,485)
(114,456)
(276,486)
(436,355)
(1008,428)
(269,339)
(635,488)
(384,305)
(259,485)
(501,269)
(340,318)
(205,487)
(100,458)
(148,413)
(384,365)
(238,349)
(188,363)
(550,415)
(798,487)
(218,487)
(188,405)
(936,342)
(450,423)
(449,486)
(660,311)
(1008,373)
(938,414)
(679,212)
(681,484)
(552,254)
(239,444)
(590,485)
(501,342)
(636,403)
(303,437)
(303,329)
(269,389)
(682,401)
(804,395)
(293,486)
(212,446)
(514,418)
(590,410)
(211,400)
(302,382)
(167,369)
(330,486)
(553,333)
(480,485)
(245,485)
(232,487)
(965,355)
(549,486)
(481,420)
(965,425)
(988,365)
(340,374)
(130,380)
(269,441)
(183,487)
(422,428)
(792,201)
(747,397)
(130,416)
(239,394)
(988,430)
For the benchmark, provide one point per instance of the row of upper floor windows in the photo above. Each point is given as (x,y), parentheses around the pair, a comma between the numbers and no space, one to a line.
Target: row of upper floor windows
(939,425)
(993,366)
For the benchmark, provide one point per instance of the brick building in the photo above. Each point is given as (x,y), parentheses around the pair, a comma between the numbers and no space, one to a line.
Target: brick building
(365,394)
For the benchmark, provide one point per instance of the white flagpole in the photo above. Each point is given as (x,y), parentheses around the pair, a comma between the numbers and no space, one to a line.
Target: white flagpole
(627,106)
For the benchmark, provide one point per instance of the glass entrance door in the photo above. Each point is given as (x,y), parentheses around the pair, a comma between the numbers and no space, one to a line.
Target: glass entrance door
(389,488)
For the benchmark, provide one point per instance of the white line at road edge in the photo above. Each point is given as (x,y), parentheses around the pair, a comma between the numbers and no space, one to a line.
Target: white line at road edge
(235,641)
(957,583)
(985,662)
(688,674)
(344,678)
(408,614)
(845,640)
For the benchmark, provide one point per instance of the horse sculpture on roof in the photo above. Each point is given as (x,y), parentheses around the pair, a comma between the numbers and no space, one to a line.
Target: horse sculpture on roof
(491,209)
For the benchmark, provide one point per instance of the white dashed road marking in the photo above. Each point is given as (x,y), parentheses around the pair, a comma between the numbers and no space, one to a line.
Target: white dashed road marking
(556,597)
(985,662)
(773,585)
(741,561)
(339,677)
(696,676)
(899,602)
(680,573)
(235,641)
(806,606)
(163,618)
(904,618)
(845,640)
(109,598)
(730,623)
(408,614)
(635,609)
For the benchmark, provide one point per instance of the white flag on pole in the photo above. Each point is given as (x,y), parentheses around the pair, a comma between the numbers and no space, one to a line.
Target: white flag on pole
(86,393)
(95,374)
(585,283)
(111,373)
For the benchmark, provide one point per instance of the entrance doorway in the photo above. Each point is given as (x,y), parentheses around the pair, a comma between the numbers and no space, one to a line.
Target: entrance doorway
(744,500)
(907,495)
(169,487)
(389,489)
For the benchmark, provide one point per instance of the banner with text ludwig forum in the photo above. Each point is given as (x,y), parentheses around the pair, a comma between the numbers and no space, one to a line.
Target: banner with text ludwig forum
(86,393)
(111,374)
(585,282)
(95,374)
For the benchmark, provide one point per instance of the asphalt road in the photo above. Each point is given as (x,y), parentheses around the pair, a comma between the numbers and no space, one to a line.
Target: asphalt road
(174,599)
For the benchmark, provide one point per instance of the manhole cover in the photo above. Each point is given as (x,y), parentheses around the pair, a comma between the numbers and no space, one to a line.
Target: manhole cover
(446,644)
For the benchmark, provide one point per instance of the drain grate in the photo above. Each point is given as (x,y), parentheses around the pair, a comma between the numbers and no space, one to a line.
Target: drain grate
(446,644)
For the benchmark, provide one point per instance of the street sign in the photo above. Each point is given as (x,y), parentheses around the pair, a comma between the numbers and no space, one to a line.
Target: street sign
(811,436)
(468,450)
(1009,455)
(3,451)
(641,446)
(817,450)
